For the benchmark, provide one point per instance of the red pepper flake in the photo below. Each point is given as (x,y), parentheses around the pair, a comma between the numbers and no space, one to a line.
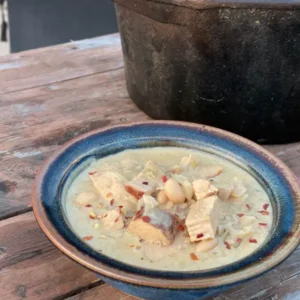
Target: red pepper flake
(108,195)
(227,245)
(200,235)
(263,224)
(133,192)
(127,218)
(240,215)
(87,238)
(146,219)
(238,240)
(265,206)
(120,206)
(264,212)
(193,256)
(248,206)
(92,215)
(92,173)
(117,219)
(112,201)
(89,205)
(181,227)
(145,182)
(139,213)
(164,179)
(253,241)
(105,216)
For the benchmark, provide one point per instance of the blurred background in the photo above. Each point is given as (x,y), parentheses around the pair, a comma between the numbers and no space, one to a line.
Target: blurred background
(29,24)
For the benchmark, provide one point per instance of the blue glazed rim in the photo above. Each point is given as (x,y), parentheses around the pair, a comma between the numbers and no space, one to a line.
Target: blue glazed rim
(279,181)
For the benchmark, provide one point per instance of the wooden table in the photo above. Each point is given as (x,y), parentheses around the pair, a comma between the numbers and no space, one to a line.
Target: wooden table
(47,97)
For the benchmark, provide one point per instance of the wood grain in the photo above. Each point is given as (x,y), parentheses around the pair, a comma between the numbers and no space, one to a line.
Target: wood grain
(49,65)
(277,284)
(31,267)
(36,121)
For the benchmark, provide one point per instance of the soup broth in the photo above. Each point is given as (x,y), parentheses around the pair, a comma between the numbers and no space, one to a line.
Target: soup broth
(169,208)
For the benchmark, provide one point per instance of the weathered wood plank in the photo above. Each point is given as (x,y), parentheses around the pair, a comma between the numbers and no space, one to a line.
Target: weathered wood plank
(105,291)
(262,285)
(44,66)
(287,290)
(289,153)
(102,292)
(36,121)
(31,267)
(270,285)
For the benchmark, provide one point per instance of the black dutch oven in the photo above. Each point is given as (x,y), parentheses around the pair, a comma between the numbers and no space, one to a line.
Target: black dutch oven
(229,64)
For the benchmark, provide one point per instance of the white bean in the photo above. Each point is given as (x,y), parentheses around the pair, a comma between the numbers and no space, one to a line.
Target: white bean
(206,245)
(162,197)
(86,198)
(188,190)
(174,191)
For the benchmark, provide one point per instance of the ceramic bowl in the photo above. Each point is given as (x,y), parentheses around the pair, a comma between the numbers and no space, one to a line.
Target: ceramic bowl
(278,181)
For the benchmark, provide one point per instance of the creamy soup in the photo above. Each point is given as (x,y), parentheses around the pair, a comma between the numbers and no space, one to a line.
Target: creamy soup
(169,208)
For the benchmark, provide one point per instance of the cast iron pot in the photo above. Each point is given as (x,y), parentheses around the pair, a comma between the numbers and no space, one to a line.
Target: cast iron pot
(233,65)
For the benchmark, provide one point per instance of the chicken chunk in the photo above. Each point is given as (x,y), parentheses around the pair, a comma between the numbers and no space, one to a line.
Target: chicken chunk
(155,252)
(111,186)
(152,171)
(113,220)
(203,219)
(153,224)
(203,188)
(186,163)
(138,188)
(238,188)
(225,192)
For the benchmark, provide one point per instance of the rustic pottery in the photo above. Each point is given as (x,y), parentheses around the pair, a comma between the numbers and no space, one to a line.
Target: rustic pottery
(278,181)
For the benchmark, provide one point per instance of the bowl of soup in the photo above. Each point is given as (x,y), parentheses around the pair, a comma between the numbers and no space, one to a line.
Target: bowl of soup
(169,210)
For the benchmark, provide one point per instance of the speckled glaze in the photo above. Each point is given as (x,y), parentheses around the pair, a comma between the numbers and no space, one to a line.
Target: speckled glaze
(276,178)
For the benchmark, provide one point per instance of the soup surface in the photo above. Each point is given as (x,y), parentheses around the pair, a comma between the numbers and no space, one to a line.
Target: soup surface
(169,208)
